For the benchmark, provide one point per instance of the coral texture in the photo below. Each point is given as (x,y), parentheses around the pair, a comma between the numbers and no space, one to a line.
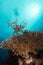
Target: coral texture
(22,45)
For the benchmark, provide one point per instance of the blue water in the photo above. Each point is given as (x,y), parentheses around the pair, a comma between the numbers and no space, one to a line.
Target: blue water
(12,9)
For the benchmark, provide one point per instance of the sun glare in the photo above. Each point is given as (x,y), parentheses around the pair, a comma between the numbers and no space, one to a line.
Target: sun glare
(32,10)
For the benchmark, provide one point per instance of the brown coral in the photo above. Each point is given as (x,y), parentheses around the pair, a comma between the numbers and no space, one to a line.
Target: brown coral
(28,42)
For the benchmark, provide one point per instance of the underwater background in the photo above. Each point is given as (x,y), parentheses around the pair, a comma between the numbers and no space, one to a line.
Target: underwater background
(30,11)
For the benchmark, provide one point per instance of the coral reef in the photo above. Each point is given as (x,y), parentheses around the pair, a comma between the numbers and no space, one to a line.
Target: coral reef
(25,45)
(18,60)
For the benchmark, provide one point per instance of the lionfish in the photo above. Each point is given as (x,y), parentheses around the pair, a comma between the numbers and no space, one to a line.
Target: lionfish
(18,29)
